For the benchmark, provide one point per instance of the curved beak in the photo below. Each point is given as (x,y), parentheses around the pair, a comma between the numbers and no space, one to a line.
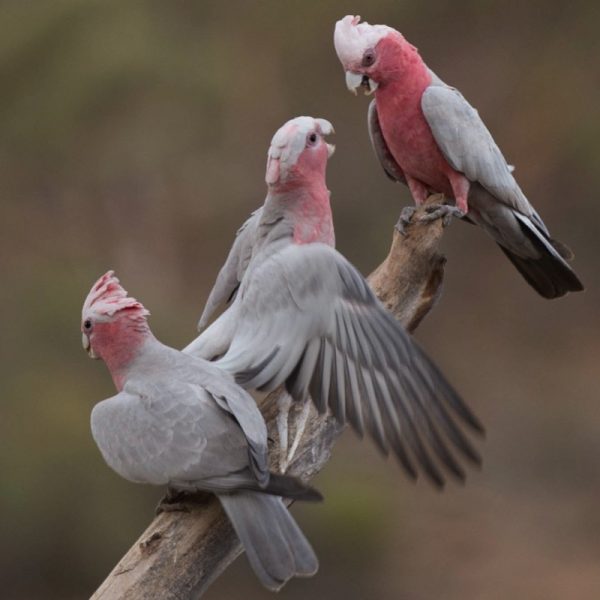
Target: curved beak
(357,80)
(327,129)
(85,342)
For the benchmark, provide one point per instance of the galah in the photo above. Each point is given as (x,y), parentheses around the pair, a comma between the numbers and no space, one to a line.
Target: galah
(181,421)
(311,202)
(426,135)
(284,165)
(304,317)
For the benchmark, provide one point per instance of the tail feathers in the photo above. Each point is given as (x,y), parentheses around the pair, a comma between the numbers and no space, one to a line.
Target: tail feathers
(276,547)
(549,274)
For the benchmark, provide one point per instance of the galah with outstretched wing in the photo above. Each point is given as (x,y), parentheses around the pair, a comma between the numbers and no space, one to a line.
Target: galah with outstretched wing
(429,137)
(286,163)
(181,421)
(304,317)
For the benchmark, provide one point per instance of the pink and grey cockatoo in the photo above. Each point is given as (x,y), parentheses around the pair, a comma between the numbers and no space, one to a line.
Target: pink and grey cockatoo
(426,135)
(311,202)
(284,163)
(303,316)
(181,421)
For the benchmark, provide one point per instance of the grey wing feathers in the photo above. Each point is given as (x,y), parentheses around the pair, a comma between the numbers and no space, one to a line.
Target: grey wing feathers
(243,408)
(231,273)
(337,343)
(388,162)
(468,145)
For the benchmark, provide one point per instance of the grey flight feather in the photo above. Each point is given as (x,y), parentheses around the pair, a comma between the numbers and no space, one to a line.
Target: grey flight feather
(233,270)
(470,148)
(389,164)
(342,346)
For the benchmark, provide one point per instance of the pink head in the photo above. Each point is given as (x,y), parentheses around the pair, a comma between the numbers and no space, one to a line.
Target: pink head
(113,325)
(372,55)
(298,153)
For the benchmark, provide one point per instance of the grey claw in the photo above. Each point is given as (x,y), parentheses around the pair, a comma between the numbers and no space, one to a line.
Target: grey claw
(406,215)
(442,211)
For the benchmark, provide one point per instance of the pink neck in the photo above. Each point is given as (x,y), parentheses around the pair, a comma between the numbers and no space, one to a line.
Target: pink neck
(118,343)
(311,209)
(410,77)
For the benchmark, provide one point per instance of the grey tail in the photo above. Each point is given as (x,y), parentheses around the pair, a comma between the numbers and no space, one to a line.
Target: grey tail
(276,547)
(549,274)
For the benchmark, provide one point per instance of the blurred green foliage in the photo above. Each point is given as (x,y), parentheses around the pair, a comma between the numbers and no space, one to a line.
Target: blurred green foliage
(133,136)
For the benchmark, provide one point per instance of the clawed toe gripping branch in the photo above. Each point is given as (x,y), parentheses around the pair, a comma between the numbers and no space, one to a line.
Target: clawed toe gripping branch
(182,552)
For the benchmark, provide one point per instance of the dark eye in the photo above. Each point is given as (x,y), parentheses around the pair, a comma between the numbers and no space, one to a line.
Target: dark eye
(87,324)
(368,58)
(312,138)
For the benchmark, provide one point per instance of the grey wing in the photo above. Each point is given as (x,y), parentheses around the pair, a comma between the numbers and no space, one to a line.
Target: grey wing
(237,402)
(231,273)
(388,162)
(468,145)
(159,434)
(313,322)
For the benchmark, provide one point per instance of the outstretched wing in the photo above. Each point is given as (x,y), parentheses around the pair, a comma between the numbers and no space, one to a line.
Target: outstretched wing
(468,145)
(231,273)
(309,319)
(388,162)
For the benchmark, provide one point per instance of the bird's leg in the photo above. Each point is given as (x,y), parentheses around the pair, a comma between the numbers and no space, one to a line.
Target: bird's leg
(419,193)
(284,402)
(300,426)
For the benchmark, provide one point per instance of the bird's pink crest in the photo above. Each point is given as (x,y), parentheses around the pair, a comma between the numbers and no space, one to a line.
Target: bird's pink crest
(289,142)
(107,297)
(351,38)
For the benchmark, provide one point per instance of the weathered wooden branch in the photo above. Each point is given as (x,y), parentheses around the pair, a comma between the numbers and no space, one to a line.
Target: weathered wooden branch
(181,553)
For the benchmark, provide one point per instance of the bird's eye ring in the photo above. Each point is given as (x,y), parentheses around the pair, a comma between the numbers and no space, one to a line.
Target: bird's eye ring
(87,324)
(368,58)
(312,138)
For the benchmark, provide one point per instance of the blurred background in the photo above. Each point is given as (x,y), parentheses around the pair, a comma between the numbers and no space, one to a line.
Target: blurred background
(133,136)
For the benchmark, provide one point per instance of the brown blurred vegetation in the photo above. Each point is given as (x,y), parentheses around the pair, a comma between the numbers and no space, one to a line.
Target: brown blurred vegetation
(133,136)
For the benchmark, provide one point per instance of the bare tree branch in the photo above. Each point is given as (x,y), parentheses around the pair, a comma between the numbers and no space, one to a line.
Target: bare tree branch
(181,553)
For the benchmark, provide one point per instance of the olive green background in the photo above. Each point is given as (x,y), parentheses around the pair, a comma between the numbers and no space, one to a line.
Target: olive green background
(133,136)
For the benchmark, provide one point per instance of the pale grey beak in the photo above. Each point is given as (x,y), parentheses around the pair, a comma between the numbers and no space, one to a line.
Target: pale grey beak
(356,80)
(330,150)
(353,81)
(85,342)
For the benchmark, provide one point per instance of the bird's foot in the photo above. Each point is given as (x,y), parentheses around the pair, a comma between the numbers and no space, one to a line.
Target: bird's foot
(179,501)
(405,218)
(441,211)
